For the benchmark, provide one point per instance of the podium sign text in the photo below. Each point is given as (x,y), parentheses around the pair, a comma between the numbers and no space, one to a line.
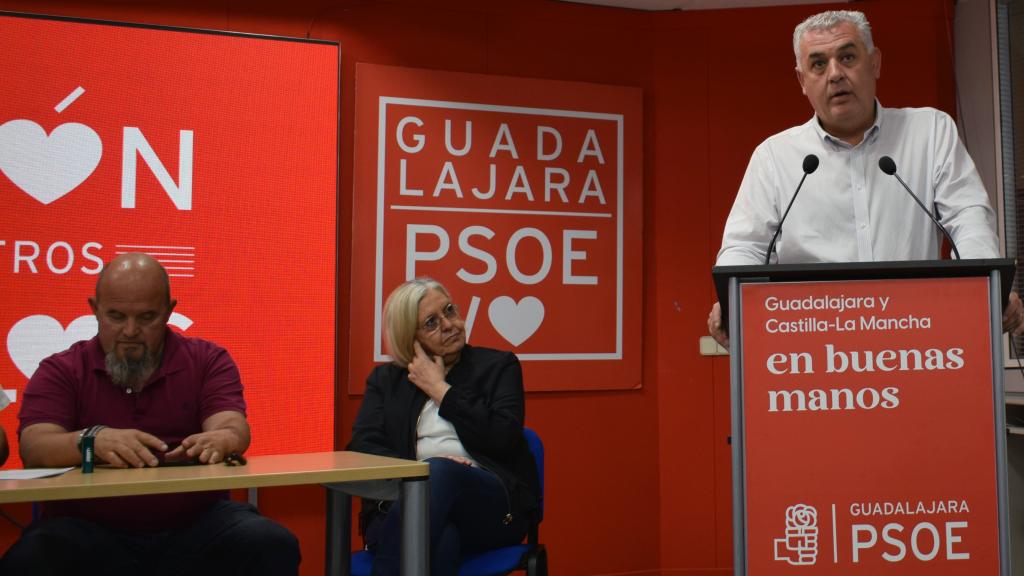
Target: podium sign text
(869,428)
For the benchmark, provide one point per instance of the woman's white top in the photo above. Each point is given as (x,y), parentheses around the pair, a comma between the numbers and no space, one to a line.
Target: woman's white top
(436,436)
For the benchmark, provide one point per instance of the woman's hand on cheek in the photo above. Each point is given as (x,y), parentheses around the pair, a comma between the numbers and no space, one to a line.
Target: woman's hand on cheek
(428,373)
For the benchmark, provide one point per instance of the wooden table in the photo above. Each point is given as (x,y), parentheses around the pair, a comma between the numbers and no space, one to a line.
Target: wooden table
(344,471)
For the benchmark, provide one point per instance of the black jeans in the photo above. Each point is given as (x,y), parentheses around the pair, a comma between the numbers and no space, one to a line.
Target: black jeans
(230,538)
(467,515)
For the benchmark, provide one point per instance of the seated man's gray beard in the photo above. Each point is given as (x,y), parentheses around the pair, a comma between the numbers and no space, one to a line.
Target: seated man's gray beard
(131,372)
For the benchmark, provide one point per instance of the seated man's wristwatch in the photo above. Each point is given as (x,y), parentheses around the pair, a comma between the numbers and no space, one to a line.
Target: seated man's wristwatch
(89,432)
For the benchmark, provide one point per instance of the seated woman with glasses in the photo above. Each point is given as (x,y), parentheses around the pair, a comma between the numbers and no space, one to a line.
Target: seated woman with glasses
(460,408)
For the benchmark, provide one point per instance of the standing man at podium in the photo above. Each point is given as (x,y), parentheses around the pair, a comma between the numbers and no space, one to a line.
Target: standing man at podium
(852,207)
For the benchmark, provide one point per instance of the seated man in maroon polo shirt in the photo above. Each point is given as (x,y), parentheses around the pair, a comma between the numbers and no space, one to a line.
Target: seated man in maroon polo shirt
(147,395)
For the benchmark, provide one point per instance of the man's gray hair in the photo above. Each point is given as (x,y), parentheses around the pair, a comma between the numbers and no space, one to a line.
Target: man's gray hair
(829,20)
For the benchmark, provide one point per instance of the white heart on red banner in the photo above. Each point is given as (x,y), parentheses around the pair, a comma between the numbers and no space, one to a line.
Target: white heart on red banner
(48,167)
(516,322)
(33,338)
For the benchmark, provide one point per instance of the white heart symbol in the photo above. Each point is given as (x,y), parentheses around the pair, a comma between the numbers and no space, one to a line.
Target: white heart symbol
(48,167)
(516,322)
(34,338)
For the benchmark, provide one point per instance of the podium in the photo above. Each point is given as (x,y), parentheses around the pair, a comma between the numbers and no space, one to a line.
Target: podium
(868,431)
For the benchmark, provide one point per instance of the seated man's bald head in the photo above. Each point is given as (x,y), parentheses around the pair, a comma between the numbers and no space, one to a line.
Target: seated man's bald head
(134,267)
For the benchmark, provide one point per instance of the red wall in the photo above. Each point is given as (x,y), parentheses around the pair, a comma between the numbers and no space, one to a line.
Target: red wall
(638,481)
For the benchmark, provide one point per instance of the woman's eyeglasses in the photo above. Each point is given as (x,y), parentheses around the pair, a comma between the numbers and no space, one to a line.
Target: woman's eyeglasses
(433,323)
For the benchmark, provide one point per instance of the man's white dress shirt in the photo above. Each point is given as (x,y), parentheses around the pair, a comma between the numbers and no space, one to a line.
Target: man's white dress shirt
(848,209)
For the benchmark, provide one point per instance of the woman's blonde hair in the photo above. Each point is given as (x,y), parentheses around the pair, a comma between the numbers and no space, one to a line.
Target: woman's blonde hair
(402,317)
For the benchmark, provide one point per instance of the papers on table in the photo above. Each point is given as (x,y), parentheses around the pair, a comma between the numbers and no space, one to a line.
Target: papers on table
(32,473)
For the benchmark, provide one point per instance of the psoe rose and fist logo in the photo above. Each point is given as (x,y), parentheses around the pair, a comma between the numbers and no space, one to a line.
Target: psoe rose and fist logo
(799,547)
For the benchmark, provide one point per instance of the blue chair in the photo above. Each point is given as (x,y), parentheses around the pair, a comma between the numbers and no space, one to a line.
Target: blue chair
(531,556)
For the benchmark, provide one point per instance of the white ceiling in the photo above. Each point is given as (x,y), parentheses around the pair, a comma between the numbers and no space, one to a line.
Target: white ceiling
(691,4)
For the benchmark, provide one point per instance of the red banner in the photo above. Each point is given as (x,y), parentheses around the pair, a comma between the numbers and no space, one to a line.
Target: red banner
(869,428)
(215,153)
(523,197)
